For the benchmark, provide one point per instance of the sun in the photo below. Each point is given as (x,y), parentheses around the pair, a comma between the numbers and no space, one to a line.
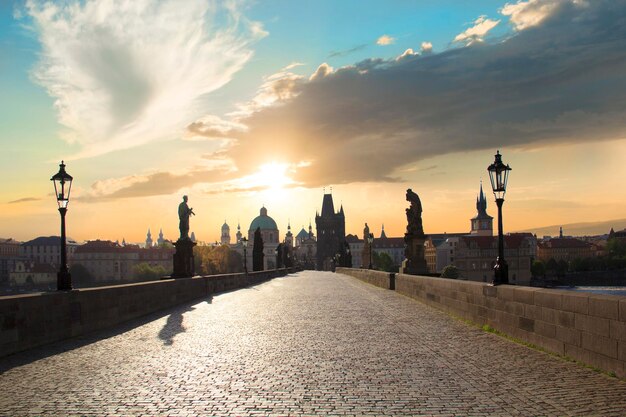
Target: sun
(271,180)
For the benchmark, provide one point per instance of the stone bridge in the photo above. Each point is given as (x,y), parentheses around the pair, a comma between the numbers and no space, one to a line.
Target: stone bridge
(309,343)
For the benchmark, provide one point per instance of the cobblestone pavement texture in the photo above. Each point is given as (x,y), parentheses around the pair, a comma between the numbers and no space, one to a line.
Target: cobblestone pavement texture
(312,343)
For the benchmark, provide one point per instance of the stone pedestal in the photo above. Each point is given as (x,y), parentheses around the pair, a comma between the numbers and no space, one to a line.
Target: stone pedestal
(183,259)
(415,262)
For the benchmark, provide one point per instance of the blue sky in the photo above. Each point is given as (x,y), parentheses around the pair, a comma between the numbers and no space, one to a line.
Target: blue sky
(148,100)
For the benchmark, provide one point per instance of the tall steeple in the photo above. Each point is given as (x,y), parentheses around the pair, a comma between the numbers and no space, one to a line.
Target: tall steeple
(225,238)
(149,239)
(238,235)
(481,202)
(482,223)
(160,240)
(382,233)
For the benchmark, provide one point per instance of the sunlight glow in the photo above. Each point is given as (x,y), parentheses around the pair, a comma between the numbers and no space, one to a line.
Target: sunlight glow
(272,175)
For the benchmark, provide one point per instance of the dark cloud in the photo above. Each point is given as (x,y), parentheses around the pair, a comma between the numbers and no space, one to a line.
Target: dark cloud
(24,200)
(562,80)
(334,54)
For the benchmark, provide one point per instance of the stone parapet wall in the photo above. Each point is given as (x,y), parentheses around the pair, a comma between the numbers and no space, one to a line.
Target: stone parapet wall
(31,320)
(587,327)
(378,278)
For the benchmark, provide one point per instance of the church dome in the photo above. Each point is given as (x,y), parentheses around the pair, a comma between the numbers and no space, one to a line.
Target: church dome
(225,226)
(263,221)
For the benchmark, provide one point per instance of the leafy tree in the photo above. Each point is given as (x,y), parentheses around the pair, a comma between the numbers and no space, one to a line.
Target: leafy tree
(616,248)
(383,262)
(451,272)
(551,267)
(146,272)
(81,277)
(212,260)
(561,268)
(538,269)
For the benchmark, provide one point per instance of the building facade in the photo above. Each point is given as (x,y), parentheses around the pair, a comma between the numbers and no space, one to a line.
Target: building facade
(566,249)
(109,261)
(47,250)
(475,257)
(9,255)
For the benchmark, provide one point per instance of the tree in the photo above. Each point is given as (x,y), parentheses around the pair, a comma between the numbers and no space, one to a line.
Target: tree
(212,260)
(146,272)
(257,251)
(561,268)
(451,272)
(538,269)
(383,262)
(81,277)
(551,267)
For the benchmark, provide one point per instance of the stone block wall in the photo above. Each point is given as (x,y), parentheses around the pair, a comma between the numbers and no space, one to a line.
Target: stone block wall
(31,320)
(378,278)
(587,327)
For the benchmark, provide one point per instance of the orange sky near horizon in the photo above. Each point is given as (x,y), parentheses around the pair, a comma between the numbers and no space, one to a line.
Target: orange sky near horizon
(543,190)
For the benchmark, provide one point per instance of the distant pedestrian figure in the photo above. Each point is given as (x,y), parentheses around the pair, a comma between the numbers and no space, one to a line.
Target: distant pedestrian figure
(184,212)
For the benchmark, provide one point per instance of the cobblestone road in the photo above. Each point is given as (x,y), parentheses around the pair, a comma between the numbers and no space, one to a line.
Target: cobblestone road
(308,344)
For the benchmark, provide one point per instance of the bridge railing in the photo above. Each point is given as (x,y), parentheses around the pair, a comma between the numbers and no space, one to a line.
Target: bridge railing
(31,320)
(590,328)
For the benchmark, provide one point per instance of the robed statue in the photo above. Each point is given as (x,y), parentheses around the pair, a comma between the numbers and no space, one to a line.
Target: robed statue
(184,212)
(414,238)
(414,214)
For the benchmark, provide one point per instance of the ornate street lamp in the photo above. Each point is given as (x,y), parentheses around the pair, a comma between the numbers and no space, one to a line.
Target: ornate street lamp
(244,242)
(499,175)
(62,186)
(370,240)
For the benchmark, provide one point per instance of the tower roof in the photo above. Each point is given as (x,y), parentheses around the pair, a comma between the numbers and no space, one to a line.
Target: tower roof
(481,205)
(328,208)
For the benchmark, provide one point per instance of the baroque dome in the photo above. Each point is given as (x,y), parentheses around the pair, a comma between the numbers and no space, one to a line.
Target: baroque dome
(263,221)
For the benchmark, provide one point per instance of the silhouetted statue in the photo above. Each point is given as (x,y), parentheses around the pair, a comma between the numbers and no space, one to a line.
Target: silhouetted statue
(414,214)
(184,212)
(414,238)
(183,258)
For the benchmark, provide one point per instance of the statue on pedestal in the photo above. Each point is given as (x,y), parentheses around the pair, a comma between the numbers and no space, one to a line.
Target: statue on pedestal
(414,238)
(183,258)
(184,212)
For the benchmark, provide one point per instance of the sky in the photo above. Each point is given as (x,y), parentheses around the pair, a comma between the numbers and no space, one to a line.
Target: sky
(244,104)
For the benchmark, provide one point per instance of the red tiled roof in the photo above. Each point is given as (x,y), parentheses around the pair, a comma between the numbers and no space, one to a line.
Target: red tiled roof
(563,243)
(511,241)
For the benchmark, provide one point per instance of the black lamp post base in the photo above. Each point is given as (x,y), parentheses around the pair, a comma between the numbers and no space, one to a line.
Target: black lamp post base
(501,272)
(64,281)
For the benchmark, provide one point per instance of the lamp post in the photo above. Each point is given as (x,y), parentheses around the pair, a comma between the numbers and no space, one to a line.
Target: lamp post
(370,240)
(244,242)
(62,185)
(499,175)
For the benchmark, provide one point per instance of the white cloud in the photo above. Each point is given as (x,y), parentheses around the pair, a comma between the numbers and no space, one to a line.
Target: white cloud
(322,71)
(385,40)
(529,13)
(126,73)
(407,53)
(427,47)
(476,33)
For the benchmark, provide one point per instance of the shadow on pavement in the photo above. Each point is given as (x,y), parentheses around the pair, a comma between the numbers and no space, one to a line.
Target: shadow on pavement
(173,326)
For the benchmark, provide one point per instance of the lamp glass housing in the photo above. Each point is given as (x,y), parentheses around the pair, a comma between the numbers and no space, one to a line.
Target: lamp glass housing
(499,176)
(62,186)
